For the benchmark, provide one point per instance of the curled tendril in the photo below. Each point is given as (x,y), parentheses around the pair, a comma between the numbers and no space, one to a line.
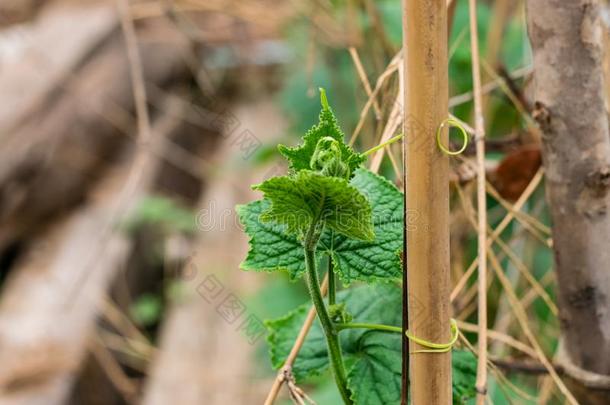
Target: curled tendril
(326,158)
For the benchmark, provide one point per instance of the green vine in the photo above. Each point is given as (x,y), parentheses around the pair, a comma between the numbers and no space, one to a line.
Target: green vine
(330,208)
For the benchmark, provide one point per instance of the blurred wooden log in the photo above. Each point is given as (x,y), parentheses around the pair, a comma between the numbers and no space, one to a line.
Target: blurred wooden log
(42,335)
(50,304)
(17,11)
(204,347)
(45,54)
(49,160)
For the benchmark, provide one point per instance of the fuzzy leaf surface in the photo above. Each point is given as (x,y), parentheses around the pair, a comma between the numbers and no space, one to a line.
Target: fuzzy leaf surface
(273,248)
(308,197)
(378,259)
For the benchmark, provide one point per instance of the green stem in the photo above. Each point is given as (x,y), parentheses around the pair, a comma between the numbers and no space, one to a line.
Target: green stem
(332,283)
(332,337)
(383,145)
(374,326)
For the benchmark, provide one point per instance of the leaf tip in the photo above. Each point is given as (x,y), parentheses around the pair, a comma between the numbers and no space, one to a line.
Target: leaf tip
(284,150)
(323,98)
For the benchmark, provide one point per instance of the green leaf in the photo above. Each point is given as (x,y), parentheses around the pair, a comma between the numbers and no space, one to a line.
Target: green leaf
(378,259)
(300,157)
(373,358)
(273,248)
(313,356)
(464,376)
(375,378)
(311,198)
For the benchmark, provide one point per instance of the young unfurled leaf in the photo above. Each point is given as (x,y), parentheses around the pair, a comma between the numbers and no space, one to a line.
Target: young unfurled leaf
(326,158)
(373,358)
(273,248)
(300,157)
(308,198)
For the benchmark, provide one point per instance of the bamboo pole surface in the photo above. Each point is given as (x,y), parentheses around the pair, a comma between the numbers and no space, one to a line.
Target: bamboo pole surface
(427,196)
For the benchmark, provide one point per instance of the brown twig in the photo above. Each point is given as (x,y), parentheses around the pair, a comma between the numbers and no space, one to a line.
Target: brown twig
(296,347)
(501,379)
(135,70)
(499,229)
(527,367)
(514,259)
(392,125)
(143,157)
(388,72)
(514,88)
(488,87)
(481,384)
(521,316)
(124,385)
(500,337)
(297,394)
(364,79)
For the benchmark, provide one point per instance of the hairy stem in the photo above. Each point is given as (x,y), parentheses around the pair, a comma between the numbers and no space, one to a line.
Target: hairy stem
(332,337)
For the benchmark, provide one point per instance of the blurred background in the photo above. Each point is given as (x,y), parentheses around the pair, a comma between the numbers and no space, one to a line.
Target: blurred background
(129,130)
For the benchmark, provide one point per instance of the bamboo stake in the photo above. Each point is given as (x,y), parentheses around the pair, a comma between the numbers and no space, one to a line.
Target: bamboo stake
(427,196)
(479,125)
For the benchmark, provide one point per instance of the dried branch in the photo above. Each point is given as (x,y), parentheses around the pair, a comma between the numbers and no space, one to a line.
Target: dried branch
(498,230)
(294,352)
(481,206)
(365,81)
